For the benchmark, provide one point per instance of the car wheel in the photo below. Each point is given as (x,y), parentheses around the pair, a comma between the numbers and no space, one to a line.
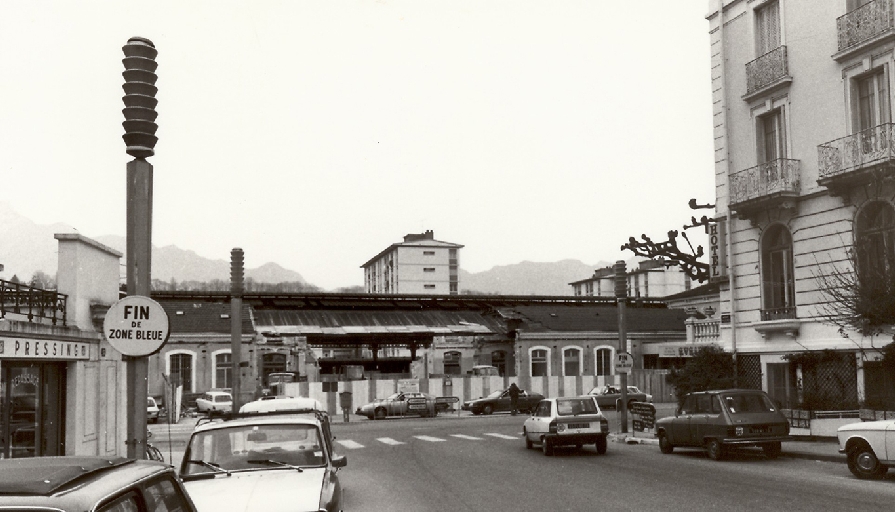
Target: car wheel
(379,414)
(488,409)
(546,447)
(601,445)
(528,444)
(862,462)
(664,445)
(715,449)
(771,450)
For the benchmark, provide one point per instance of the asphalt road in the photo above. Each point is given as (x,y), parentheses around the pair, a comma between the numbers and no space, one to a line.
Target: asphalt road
(481,463)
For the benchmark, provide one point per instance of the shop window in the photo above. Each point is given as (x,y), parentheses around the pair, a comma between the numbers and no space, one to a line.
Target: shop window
(778,284)
(452,363)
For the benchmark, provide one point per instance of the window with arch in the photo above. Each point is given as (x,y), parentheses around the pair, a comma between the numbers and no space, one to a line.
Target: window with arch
(778,283)
(540,359)
(603,361)
(572,361)
(180,369)
(452,363)
(875,242)
(223,368)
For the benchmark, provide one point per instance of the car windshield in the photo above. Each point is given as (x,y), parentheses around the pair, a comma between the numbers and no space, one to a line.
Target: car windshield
(633,389)
(746,403)
(393,397)
(496,394)
(150,402)
(255,447)
(575,406)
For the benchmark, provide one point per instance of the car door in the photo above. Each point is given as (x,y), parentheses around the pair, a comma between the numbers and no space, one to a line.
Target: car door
(503,401)
(707,421)
(680,425)
(398,406)
(540,421)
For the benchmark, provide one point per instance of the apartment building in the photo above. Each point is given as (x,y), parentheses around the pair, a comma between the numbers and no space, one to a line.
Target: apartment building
(804,154)
(651,278)
(419,265)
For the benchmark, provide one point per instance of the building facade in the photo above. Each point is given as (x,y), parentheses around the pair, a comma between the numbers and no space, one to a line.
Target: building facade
(802,95)
(651,278)
(420,265)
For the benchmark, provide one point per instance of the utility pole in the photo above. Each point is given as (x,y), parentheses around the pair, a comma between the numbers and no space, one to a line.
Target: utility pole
(139,125)
(621,297)
(236,291)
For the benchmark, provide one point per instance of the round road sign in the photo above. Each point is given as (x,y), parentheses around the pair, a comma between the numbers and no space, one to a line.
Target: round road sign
(623,362)
(136,326)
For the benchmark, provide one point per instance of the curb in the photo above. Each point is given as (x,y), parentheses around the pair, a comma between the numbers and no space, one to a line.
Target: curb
(822,457)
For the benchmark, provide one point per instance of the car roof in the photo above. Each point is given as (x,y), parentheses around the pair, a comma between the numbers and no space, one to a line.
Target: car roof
(294,417)
(281,404)
(36,480)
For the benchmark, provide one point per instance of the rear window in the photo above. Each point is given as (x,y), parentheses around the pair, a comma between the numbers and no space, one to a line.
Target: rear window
(748,403)
(575,406)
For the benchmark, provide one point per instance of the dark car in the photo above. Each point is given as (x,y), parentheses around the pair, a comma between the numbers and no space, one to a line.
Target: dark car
(103,484)
(609,396)
(721,420)
(499,401)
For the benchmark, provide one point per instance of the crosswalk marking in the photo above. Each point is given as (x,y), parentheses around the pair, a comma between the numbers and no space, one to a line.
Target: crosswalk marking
(389,441)
(501,436)
(464,436)
(348,443)
(429,438)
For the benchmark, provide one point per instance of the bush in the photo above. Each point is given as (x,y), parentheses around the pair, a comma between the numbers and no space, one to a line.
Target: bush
(709,368)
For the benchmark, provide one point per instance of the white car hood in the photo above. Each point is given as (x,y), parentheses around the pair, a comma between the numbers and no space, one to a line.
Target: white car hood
(879,425)
(278,490)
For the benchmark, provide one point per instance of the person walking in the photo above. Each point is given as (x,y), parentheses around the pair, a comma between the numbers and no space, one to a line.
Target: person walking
(514,398)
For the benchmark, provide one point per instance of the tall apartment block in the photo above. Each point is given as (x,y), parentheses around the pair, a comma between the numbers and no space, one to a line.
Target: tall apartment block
(420,265)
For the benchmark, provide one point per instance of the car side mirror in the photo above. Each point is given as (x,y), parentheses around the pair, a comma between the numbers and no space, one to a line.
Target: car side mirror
(340,461)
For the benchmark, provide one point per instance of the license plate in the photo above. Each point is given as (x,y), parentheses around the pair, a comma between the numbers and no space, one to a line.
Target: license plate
(579,425)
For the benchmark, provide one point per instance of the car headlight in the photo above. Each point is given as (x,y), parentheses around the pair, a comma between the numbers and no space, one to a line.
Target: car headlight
(561,427)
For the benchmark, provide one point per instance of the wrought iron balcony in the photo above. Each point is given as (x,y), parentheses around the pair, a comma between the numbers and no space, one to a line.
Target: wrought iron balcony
(765,185)
(783,313)
(21,299)
(851,158)
(767,72)
(865,25)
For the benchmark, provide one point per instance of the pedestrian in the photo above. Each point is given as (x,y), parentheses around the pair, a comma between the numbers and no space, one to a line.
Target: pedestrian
(514,398)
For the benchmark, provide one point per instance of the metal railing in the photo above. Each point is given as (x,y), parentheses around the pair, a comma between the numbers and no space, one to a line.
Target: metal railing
(864,23)
(21,299)
(763,180)
(857,151)
(784,313)
(766,70)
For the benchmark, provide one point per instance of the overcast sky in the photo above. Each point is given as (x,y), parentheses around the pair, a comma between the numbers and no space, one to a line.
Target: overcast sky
(314,134)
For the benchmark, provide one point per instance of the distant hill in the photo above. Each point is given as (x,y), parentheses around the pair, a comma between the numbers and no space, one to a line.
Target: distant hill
(528,278)
(28,247)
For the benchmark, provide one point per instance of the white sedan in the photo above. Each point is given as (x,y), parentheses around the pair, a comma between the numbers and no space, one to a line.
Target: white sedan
(869,446)
(215,402)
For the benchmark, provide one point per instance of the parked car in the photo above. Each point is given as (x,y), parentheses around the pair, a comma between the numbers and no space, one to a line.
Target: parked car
(499,401)
(571,421)
(152,410)
(721,420)
(102,484)
(215,402)
(274,461)
(609,396)
(869,447)
(402,404)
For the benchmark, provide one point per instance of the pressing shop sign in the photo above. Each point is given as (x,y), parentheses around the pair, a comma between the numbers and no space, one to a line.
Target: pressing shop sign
(136,326)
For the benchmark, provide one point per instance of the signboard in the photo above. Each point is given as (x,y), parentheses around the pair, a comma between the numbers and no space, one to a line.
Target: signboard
(623,362)
(718,251)
(136,326)
(417,404)
(21,348)
(688,350)
(645,416)
(408,385)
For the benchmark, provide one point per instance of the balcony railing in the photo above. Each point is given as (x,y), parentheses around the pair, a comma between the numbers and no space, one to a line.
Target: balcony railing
(864,23)
(766,70)
(703,331)
(21,299)
(774,178)
(856,152)
(784,313)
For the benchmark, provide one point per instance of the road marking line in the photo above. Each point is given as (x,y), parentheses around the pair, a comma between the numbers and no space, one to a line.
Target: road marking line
(464,436)
(502,436)
(388,440)
(430,439)
(351,445)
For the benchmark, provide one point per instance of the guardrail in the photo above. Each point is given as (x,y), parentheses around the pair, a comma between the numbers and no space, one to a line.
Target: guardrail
(21,299)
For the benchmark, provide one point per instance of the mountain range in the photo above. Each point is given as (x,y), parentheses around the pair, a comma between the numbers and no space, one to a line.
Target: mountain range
(34,249)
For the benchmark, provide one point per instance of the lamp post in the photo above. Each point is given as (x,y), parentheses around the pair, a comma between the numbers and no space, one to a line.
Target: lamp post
(621,297)
(139,125)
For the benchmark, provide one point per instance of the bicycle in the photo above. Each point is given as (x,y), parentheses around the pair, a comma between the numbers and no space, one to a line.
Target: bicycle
(153,453)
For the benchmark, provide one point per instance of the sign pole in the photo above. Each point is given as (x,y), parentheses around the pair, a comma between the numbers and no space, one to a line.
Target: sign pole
(621,296)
